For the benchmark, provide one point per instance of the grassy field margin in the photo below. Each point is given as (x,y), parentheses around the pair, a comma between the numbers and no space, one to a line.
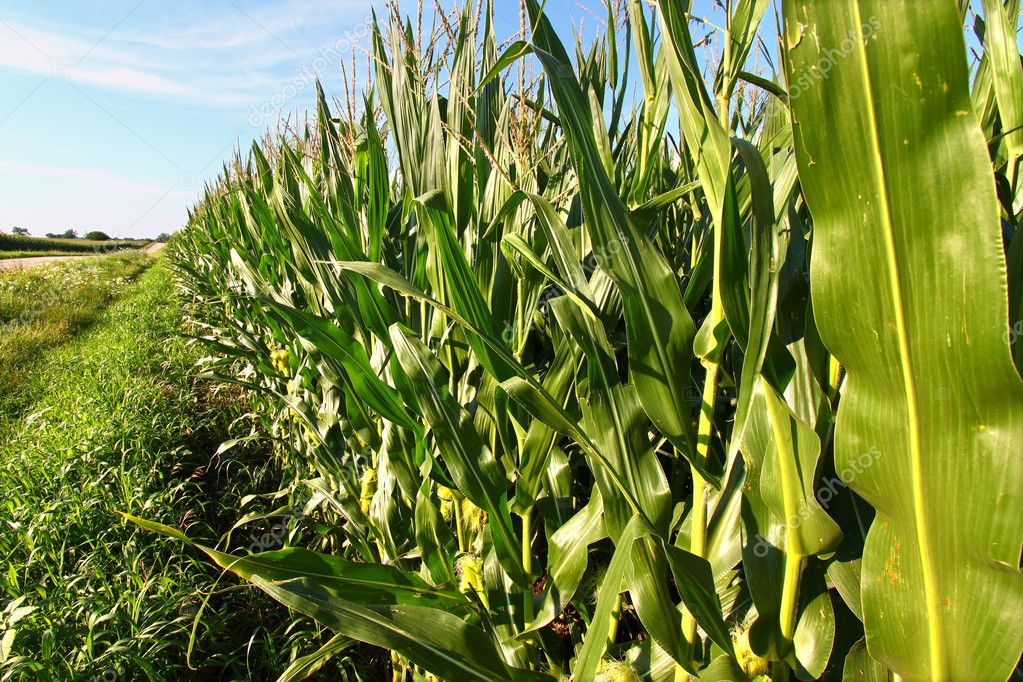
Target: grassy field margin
(44,307)
(4,255)
(115,424)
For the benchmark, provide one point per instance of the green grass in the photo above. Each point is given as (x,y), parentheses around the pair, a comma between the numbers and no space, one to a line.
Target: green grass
(4,255)
(114,425)
(43,307)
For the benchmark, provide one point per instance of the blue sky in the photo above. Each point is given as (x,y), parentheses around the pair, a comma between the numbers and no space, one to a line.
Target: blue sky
(114,113)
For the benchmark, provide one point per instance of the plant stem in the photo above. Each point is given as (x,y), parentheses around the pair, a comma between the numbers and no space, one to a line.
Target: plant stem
(396,669)
(616,614)
(794,551)
(456,502)
(790,595)
(725,96)
(697,543)
(527,564)
(698,524)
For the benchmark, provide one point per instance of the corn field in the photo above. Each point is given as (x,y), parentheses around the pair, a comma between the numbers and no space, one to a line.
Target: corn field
(611,361)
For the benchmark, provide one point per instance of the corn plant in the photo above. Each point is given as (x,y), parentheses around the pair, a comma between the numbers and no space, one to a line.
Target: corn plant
(714,380)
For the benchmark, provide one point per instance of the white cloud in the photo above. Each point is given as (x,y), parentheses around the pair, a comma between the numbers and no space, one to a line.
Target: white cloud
(233,55)
(52,55)
(201,65)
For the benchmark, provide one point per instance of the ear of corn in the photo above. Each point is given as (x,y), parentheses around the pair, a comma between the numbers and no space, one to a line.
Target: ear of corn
(570,399)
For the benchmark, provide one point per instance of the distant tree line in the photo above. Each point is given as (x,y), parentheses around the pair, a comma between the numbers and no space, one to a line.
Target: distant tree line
(92,235)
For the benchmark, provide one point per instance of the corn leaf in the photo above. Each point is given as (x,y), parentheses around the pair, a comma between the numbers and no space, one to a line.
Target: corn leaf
(660,328)
(909,294)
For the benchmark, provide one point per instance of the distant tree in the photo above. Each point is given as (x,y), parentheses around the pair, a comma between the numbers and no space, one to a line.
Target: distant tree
(163,238)
(70,234)
(97,236)
(53,235)
(20,231)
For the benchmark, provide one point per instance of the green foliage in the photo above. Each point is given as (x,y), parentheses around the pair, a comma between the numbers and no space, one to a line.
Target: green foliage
(735,405)
(10,255)
(939,410)
(113,424)
(97,236)
(46,306)
(64,244)
(67,234)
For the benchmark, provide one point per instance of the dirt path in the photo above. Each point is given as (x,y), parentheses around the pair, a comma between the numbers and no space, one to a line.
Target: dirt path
(13,264)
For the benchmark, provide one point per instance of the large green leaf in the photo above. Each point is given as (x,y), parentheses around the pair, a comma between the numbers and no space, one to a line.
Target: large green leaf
(784,522)
(567,559)
(611,586)
(766,258)
(860,667)
(375,583)
(305,667)
(524,388)
(613,418)
(372,603)
(440,642)
(787,481)
(909,293)
(710,145)
(695,583)
(471,464)
(1001,51)
(336,344)
(659,326)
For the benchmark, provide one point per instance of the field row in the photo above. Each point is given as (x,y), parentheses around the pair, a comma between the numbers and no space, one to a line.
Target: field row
(713,382)
(99,416)
(16,244)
